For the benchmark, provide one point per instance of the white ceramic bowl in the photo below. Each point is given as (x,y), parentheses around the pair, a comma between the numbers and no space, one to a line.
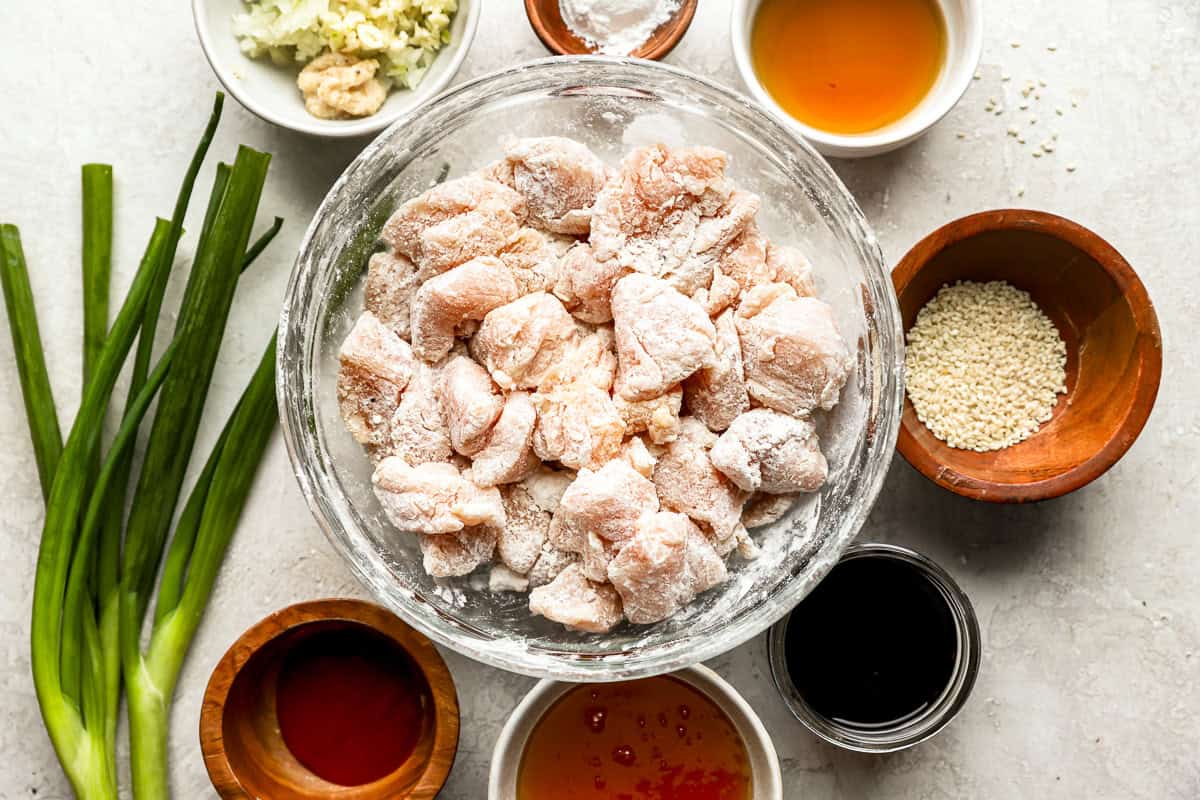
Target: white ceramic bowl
(270,92)
(764,763)
(964,31)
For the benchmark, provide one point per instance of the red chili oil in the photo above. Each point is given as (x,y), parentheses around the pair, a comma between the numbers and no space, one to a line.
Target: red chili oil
(351,705)
(652,739)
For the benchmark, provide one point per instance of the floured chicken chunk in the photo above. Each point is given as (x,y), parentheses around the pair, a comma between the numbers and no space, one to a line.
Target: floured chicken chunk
(551,562)
(376,365)
(417,431)
(559,179)
(508,455)
(763,509)
(635,453)
(794,357)
(455,222)
(573,600)
(466,292)
(606,503)
(533,261)
(520,540)
(716,394)
(658,417)
(519,341)
(745,260)
(585,285)
(788,265)
(662,337)
(721,293)
(592,360)
(449,555)
(578,425)
(688,482)
(654,216)
(433,498)
(391,283)
(471,404)
(503,579)
(597,554)
(764,450)
(663,567)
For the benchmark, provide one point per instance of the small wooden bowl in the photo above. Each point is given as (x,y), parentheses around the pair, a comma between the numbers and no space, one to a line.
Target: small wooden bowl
(239,734)
(547,22)
(1114,351)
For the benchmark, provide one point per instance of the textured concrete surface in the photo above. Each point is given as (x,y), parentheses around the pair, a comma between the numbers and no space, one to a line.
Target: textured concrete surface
(1090,605)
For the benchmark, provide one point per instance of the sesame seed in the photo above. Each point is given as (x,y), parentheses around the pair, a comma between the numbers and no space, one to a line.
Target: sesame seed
(1071,167)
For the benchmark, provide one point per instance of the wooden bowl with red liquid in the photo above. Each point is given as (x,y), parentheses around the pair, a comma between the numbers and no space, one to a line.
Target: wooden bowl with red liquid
(1106,319)
(330,699)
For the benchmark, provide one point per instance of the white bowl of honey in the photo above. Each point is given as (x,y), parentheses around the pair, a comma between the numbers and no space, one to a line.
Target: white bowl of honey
(857,77)
(687,734)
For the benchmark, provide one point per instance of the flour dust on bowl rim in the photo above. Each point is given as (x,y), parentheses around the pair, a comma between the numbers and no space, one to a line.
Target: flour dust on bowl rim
(612,105)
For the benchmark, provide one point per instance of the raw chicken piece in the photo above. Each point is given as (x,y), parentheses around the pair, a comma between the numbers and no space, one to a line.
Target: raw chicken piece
(468,291)
(503,579)
(471,403)
(585,284)
(635,453)
(763,509)
(606,502)
(454,222)
(574,601)
(716,234)
(658,416)
(746,547)
(656,572)
(788,265)
(533,261)
(590,359)
(716,394)
(417,431)
(551,562)
(559,179)
(595,557)
(745,260)
(662,337)
(546,486)
(376,365)
(705,567)
(507,455)
(578,425)
(720,294)
(794,357)
(520,539)
(448,555)
(433,498)
(688,482)
(519,341)
(390,286)
(648,217)
(764,450)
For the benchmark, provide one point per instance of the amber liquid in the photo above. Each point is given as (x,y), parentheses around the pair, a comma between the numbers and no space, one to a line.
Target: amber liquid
(848,66)
(653,739)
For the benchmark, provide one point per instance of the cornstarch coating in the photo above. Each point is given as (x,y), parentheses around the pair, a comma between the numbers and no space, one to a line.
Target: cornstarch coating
(984,366)
(577,377)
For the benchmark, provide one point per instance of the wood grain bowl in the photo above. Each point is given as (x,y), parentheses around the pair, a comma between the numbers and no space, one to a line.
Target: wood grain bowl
(1114,351)
(239,733)
(547,22)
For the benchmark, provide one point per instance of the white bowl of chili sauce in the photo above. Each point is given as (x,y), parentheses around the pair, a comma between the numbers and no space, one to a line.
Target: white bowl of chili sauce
(686,734)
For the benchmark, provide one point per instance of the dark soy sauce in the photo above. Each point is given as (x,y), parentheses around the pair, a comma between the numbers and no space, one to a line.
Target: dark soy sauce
(874,645)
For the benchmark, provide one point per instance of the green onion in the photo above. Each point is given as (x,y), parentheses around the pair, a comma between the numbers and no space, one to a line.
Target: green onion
(31,363)
(97,259)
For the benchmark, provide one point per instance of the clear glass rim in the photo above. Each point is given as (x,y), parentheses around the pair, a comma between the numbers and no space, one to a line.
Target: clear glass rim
(296,403)
(924,726)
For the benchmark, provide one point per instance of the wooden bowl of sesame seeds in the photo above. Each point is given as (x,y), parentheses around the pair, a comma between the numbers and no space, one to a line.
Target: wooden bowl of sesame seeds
(1103,314)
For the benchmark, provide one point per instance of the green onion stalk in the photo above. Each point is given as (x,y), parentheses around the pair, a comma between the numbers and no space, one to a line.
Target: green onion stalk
(96,572)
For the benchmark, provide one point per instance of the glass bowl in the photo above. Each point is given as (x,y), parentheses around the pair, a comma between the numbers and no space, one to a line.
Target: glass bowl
(612,105)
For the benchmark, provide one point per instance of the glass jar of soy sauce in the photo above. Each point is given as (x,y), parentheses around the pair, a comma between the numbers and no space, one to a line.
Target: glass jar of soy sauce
(881,655)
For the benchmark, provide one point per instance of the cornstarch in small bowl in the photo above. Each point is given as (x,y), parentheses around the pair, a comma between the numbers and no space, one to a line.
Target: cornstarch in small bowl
(616,27)
(984,365)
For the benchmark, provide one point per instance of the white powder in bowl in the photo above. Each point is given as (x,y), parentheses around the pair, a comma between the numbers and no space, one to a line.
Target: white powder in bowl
(616,27)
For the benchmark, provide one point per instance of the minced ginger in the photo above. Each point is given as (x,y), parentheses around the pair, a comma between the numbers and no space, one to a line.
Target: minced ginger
(341,86)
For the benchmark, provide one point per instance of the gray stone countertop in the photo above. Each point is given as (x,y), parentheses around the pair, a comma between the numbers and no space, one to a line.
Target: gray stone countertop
(1089,605)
